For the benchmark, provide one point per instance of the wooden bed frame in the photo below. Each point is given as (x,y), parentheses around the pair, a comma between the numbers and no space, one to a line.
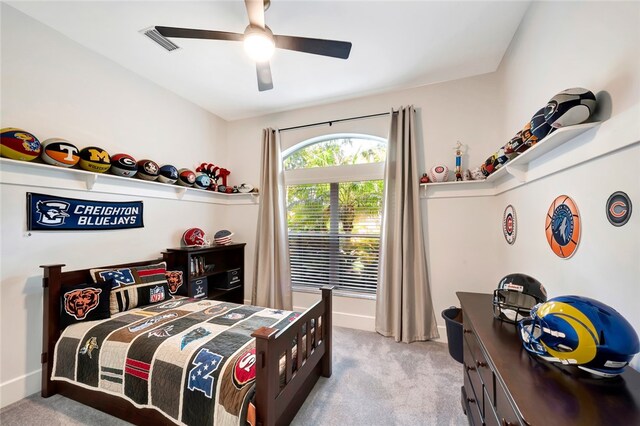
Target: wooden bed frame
(275,405)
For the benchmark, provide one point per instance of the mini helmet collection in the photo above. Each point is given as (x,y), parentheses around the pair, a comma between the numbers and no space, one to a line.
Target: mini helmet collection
(580,331)
(515,296)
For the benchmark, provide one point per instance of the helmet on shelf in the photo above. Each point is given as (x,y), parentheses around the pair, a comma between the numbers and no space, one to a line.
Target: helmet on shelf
(580,331)
(194,237)
(515,296)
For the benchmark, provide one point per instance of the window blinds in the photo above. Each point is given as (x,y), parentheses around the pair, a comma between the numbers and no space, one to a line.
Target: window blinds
(334,234)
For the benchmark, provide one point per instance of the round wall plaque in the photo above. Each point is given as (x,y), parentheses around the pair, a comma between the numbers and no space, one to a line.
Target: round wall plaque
(562,226)
(509,224)
(618,208)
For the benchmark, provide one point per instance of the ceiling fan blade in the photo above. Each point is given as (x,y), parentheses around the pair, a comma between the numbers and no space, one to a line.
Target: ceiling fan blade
(316,46)
(263,69)
(199,34)
(255,10)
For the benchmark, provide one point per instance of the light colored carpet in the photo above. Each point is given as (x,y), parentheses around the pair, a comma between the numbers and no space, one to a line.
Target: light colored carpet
(375,381)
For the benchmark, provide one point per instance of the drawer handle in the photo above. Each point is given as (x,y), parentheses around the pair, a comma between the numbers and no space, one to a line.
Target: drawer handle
(466,330)
(470,367)
(506,423)
(481,363)
(471,400)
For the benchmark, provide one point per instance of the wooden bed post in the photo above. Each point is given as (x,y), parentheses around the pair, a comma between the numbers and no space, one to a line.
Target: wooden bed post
(50,324)
(266,376)
(327,331)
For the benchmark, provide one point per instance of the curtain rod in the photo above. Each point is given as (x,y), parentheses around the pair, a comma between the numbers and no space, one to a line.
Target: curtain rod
(330,123)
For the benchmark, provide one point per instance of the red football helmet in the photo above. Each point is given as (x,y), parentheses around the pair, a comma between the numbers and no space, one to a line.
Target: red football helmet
(194,237)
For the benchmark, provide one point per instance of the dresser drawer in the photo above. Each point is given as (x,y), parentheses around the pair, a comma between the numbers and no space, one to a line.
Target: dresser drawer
(504,410)
(474,388)
(479,360)
(490,416)
(473,411)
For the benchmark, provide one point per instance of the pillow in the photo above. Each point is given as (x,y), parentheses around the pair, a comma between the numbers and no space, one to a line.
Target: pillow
(174,279)
(135,285)
(85,302)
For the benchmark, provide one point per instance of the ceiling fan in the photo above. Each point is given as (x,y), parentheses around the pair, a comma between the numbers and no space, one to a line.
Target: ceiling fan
(260,42)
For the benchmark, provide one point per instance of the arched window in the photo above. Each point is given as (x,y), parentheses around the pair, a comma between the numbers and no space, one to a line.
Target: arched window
(334,210)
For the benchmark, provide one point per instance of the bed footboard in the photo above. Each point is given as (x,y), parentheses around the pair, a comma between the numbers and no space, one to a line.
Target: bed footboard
(278,403)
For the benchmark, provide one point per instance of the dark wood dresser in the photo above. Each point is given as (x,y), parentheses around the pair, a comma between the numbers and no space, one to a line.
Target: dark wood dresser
(503,385)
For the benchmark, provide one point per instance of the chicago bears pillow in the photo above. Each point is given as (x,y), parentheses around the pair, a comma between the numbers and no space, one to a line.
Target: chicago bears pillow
(134,286)
(174,279)
(85,302)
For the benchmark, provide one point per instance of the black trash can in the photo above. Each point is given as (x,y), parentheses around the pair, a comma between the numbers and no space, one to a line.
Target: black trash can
(453,321)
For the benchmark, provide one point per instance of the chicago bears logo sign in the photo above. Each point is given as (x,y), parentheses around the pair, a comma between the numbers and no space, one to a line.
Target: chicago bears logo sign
(174,279)
(562,226)
(80,302)
(509,226)
(618,208)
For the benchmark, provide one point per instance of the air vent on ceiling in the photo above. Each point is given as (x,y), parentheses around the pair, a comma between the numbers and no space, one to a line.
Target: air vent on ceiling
(154,35)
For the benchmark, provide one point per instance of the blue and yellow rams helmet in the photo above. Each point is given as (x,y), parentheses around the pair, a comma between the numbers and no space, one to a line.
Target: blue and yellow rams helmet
(579,331)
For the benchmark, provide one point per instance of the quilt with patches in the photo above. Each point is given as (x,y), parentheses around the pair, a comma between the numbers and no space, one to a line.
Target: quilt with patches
(191,359)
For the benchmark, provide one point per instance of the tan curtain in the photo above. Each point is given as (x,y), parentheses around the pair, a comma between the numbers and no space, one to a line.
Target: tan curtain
(403,306)
(272,279)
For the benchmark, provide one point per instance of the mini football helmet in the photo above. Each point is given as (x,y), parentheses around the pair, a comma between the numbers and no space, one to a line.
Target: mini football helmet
(515,296)
(579,331)
(194,237)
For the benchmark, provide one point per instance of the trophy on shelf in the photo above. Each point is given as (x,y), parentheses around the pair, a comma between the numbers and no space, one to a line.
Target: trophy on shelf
(458,149)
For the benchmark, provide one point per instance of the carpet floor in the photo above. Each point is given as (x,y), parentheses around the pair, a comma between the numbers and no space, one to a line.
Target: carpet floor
(375,381)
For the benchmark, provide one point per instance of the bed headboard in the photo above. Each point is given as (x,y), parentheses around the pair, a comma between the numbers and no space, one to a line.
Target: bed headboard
(53,281)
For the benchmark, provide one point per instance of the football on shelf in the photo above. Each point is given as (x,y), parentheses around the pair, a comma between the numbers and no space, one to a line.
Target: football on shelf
(19,144)
(570,107)
(168,174)
(123,165)
(539,127)
(202,181)
(186,177)
(245,188)
(95,159)
(60,152)
(148,170)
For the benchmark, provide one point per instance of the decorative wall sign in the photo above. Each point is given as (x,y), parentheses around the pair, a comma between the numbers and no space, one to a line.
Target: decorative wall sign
(53,213)
(562,226)
(509,224)
(618,208)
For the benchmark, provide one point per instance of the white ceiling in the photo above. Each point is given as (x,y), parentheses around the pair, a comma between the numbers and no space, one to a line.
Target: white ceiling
(396,44)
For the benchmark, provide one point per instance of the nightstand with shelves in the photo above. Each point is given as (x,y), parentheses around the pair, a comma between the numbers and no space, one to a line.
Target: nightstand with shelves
(212,272)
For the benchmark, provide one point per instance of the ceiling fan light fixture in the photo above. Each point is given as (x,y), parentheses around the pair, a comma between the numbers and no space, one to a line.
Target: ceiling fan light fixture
(259,44)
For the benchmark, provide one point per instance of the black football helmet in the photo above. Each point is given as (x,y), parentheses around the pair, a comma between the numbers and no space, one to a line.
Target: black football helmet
(515,296)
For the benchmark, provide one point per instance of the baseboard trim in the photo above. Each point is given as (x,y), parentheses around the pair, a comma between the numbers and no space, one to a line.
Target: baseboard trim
(21,387)
(359,322)
(442,330)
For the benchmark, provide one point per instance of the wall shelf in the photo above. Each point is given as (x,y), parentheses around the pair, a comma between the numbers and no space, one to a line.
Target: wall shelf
(516,169)
(26,173)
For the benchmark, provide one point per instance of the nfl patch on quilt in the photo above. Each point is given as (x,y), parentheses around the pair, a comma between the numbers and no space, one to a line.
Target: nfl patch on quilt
(54,213)
(191,359)
(135,285)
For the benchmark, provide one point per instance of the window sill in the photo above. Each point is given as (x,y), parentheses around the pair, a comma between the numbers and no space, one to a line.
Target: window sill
(339,293)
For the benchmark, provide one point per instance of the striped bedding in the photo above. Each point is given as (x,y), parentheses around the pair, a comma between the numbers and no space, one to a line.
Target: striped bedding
(191,359)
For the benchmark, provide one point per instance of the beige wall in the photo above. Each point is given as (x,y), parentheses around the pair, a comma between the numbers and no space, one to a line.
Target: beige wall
(555,49)
(91,100)
(457,231)
(52,86)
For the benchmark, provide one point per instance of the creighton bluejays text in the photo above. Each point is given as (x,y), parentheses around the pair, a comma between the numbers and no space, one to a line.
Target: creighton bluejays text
(51,213)
(106,215)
